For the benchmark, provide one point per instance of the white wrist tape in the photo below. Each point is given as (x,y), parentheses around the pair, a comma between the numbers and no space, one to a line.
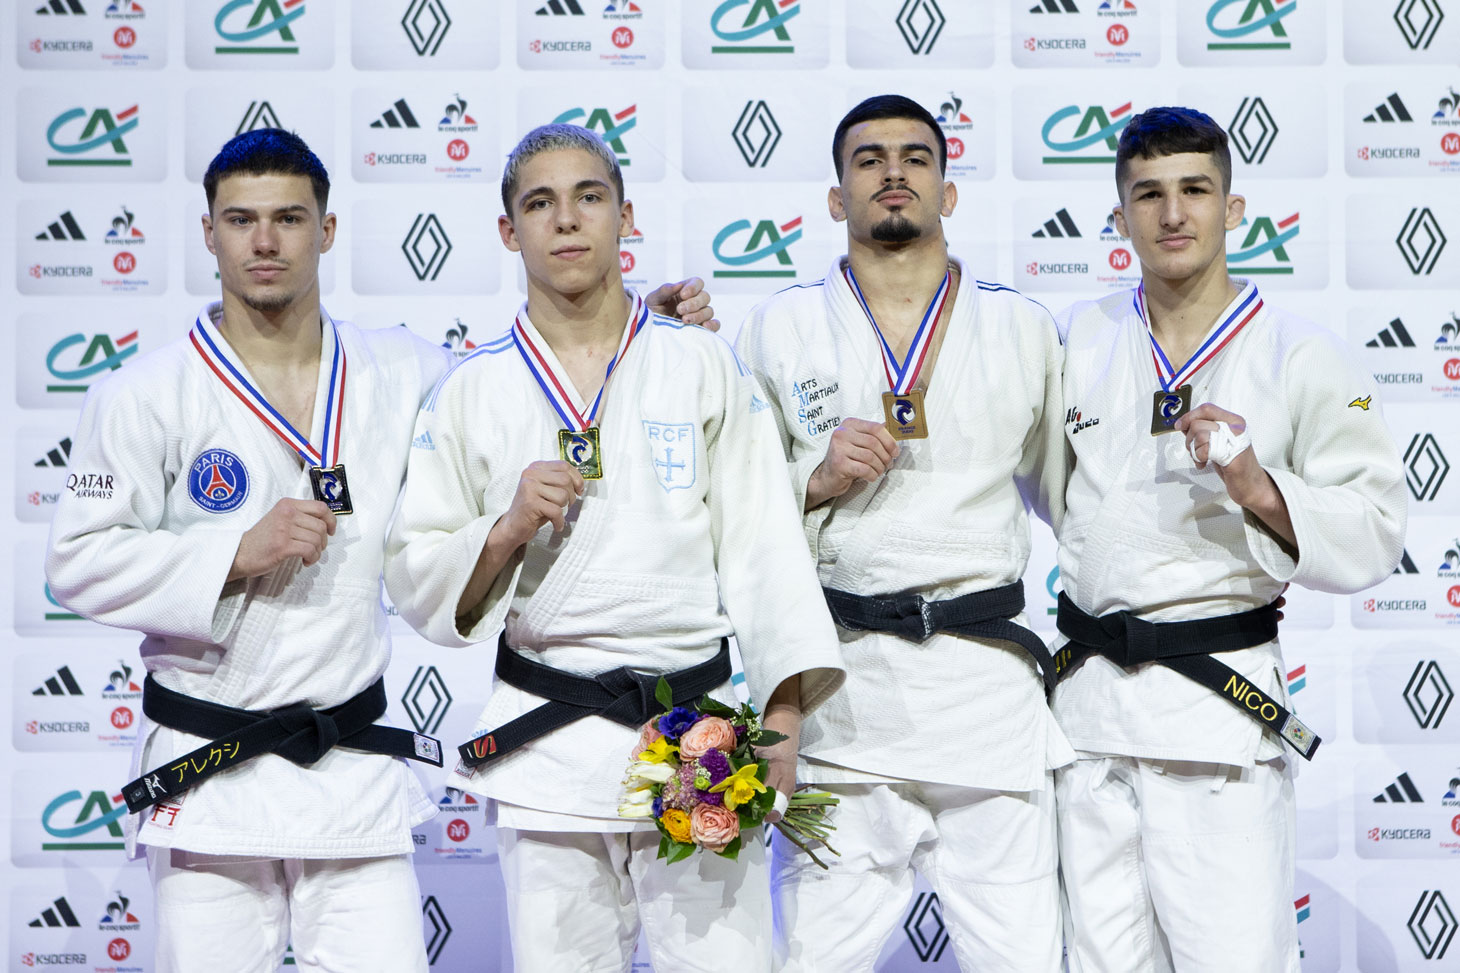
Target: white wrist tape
(782,801)
(1224,445)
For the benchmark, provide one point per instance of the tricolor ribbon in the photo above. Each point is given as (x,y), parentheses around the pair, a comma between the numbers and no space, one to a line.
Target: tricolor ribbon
(1244,309)
(214,353)
(902,376)
(553,388)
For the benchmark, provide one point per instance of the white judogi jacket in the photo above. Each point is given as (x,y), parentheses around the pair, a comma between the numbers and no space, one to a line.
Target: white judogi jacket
(153,558)
(690,536)
(949,518)
(1147,532)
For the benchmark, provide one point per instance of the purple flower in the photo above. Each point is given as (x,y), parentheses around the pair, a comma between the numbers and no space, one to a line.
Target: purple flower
(658,807)
(716,764)
(676,721)
(714,800)
(739,730)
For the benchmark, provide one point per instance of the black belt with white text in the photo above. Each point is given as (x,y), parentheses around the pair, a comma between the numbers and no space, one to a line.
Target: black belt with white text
(979,614)
(623,695)
(1185,647)
(296,733)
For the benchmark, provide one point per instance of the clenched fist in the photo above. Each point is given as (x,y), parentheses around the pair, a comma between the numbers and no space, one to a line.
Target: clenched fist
(859,450)
(294,528)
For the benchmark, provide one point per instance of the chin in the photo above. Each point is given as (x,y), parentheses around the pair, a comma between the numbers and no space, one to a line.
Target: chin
(268,302)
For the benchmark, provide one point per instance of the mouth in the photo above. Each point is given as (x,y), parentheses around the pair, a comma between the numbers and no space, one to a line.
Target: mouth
(895,197)
(570,252)
(1175,241)
(265,273)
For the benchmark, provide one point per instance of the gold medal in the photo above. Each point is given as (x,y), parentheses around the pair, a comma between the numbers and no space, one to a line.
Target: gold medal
(1167,407)
(581,450)
(906,418)
(330,487)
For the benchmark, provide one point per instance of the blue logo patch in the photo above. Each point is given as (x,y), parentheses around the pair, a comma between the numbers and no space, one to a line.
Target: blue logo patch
(217,481)
(672,448)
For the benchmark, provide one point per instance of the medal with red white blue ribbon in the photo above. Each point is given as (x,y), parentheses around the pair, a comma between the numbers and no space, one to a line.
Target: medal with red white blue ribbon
(326,472)
(902,404)
(1174,398)
(578,440)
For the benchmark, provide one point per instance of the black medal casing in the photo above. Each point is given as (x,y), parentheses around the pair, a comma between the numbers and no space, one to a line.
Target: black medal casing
(1167,407)
(331,488)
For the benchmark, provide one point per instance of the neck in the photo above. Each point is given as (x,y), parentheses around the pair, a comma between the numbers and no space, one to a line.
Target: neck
(1181,311)
(902,274)
(277,339)
(591,319)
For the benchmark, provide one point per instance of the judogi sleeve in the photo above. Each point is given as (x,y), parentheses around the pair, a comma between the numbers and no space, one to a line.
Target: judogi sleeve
(109,557)
(442,525)
(767,582)
(1046,460)
(1345,490)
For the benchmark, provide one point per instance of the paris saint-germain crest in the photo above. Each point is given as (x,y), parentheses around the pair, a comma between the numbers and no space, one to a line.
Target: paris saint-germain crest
(672,450)
(217,481)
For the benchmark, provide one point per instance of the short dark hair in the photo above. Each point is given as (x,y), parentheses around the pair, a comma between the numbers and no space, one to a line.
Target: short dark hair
(887,106)
(267,152)
(551,138)
(1171,131)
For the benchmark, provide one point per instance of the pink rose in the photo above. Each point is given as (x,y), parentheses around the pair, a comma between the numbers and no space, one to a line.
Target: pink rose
(647,735)
(710,733)
(712,828)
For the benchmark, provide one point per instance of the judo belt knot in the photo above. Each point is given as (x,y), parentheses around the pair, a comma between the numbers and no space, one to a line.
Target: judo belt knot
(1130,640)
(914,617)
(311,733)
(633,694)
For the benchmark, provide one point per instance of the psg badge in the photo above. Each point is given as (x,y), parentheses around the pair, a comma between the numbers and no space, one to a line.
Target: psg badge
(331,487)
(1168,407)
(582,451)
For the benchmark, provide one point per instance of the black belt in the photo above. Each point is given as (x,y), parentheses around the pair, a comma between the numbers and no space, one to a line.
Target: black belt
(297,733)
(1184,646)
(622,695)
(980,614)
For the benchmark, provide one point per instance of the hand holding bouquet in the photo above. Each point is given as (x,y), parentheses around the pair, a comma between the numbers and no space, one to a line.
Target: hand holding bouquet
(696,773)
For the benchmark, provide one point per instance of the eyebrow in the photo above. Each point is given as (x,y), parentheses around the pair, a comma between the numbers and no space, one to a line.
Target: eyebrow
(249,210)
(581,185)
(1183,181)
(878,147)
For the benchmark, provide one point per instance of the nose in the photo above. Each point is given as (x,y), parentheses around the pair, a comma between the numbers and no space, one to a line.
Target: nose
(1173,212)
(265,238)
(566,217)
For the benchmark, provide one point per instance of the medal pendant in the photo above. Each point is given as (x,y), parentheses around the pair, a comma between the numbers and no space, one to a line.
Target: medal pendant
(906,418)
(1167,407)
(331,487)
(581,450)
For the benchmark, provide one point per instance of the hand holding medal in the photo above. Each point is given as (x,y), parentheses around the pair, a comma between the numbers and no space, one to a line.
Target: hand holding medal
(544,492)
(859,450)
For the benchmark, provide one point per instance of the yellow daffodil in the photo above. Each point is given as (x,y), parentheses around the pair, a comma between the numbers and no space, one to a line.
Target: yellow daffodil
(659,751)
(676,822)
(739,787)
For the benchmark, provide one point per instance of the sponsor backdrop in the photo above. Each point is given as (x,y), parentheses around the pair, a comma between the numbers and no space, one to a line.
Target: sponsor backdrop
(1345,125)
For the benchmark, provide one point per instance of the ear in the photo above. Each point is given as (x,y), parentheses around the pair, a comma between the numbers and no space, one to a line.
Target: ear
(508,234)
(1236,209)
(834,204)
(208,234)
(328,226)
(950,199)
(1120,226)
(626,219)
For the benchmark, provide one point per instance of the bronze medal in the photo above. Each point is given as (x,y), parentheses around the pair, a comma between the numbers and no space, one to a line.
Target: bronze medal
(331,488)
(1167,407)
(906,417)
(581,451)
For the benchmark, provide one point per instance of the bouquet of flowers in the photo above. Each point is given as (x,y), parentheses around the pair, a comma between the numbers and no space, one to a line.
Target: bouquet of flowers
(696,773)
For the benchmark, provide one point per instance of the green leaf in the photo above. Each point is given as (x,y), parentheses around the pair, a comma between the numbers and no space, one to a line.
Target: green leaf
(732,850)
(766,799)
(713,707)
(664,842)
(769,738)
(664,694)
(682,850)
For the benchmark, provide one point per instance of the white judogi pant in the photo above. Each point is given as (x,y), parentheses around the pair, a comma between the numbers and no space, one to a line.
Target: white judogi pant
(359,915)
(990,856)
(576,901)
(1178,865)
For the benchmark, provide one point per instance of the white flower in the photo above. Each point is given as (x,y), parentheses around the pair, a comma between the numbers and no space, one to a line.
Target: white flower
(637,804)
(644,770)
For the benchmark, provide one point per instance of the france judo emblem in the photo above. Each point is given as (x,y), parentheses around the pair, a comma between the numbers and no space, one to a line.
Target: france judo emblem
(217,481)
(672,448)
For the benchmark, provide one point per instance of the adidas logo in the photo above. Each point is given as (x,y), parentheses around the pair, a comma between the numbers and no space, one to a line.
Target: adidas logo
(399,116)
(1061,226)
(1406,564)
(58,915)
(61,7)
(560,8)
(61,684)
(1402,791)
(1394,336)
(423,441)
(1391,109)
(58,455)
(1055,7)
(64,228)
